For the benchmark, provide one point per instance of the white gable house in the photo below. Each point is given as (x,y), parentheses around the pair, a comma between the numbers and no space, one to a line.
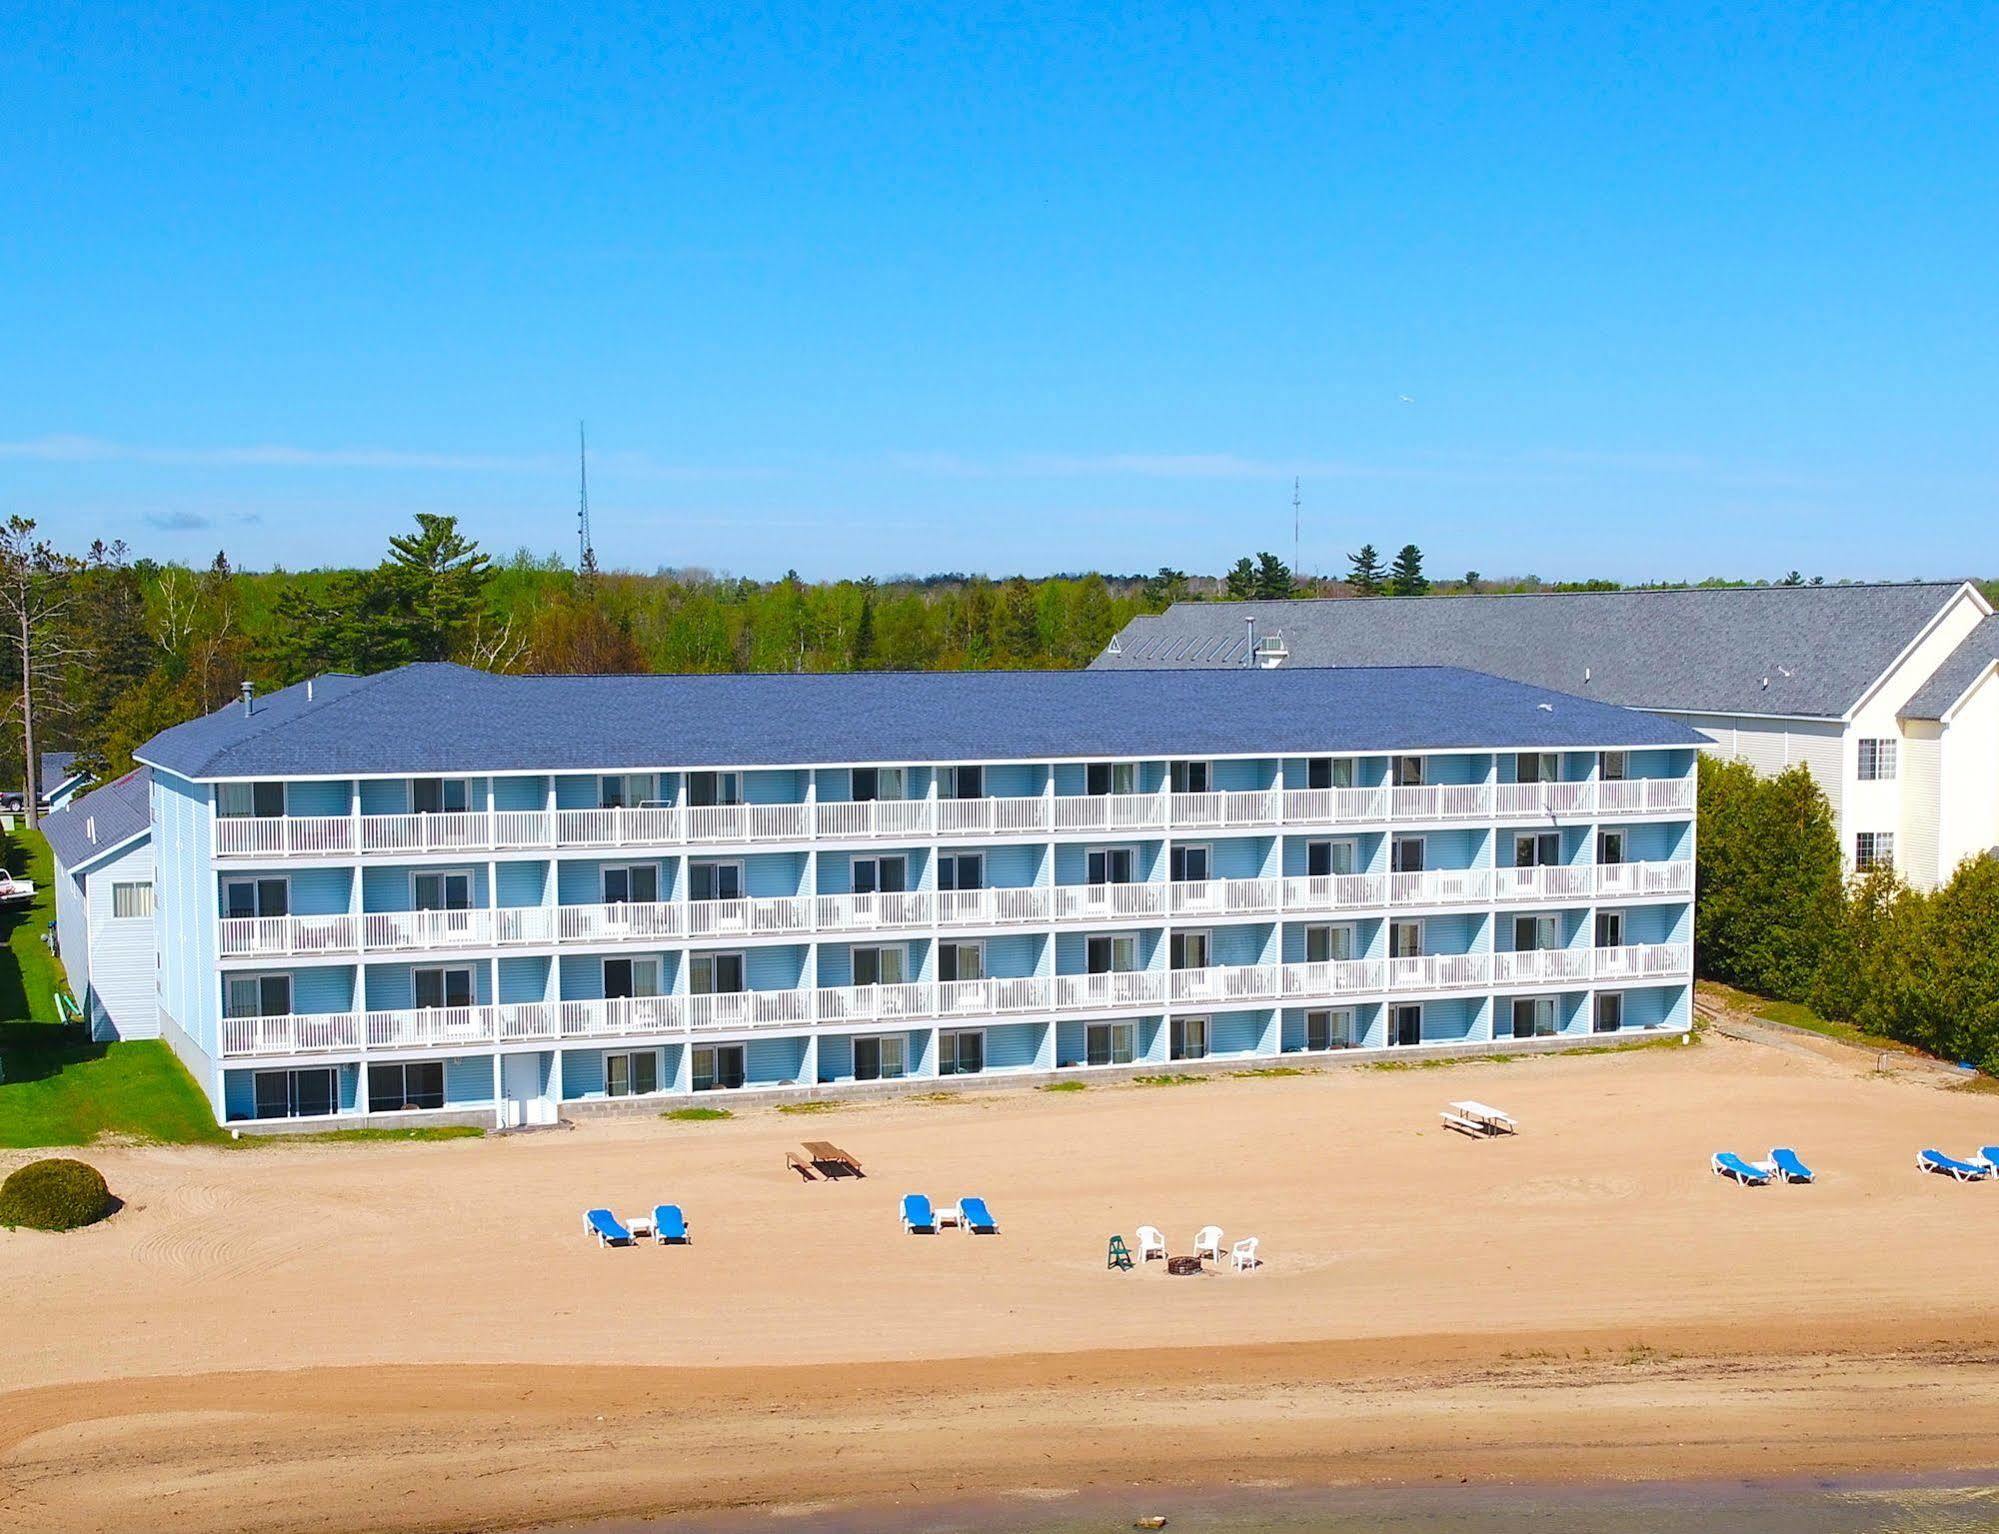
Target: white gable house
(105,935)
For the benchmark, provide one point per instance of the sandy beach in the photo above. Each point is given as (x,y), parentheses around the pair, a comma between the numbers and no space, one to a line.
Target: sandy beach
(420,1337)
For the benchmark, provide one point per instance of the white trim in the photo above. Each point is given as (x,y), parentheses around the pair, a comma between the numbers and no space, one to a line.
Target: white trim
(1990,669)
(1936,618)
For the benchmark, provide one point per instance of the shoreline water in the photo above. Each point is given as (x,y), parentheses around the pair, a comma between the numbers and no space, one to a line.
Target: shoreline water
(1943,1503)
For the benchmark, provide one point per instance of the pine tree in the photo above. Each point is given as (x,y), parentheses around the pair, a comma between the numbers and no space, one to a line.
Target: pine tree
(1273,578)
(1240,583)
(1365,574)
(442,577)
(1165,588)
(1405,576)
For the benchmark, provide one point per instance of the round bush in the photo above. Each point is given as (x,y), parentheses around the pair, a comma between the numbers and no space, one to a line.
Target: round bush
(56,1194)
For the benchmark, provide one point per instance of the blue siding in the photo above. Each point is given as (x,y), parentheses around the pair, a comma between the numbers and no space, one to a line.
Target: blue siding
(392,987)
(1656,1007)
(1250,943)
(1238,1033)
(1013,1046)
(774,969)
(520,793)
(323,990)
(523,978)
(468,1079)
(768,875)
(786,787)
(520,884)
(1243,774)
(394,888)
(384,796)
(582,1073)
(1072,949)
(1015,780)
(772,1062)
(185,894)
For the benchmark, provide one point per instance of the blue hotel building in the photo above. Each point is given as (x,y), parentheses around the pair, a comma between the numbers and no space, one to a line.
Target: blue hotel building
(437,892)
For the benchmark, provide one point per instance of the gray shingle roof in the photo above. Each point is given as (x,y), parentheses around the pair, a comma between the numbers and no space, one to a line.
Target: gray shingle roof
(55,769)
(448,719)
(1801,650)
(1960,669)
(95,822)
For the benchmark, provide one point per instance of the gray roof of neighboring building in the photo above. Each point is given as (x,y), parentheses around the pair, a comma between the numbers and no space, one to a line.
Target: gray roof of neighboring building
(55,769)
(449,719)
(1960,669)
(94,823)
(1799,650)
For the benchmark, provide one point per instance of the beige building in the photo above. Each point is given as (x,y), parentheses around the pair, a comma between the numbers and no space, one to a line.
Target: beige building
(1888,693)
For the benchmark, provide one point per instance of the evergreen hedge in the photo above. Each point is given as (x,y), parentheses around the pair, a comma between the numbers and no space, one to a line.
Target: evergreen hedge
(54,1194)
(1774,914)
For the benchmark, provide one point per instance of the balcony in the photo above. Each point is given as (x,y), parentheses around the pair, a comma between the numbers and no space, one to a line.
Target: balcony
(1303,984)
(1440,886)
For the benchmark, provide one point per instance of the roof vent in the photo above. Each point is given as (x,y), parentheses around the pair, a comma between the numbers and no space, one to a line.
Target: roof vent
(308,689)
(90,828)
(249,696)
(1271,653)
(1546,708)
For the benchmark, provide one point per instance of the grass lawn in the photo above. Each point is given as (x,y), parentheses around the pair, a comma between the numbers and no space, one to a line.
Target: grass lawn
(29,973)
(1796,1014)
(61,1089)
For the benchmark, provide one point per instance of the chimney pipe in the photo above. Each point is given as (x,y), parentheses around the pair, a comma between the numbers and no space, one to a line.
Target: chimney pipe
(249,694)
(1250,658)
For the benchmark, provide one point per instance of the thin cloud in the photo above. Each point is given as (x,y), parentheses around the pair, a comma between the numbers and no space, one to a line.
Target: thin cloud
(80,449)
(178,521)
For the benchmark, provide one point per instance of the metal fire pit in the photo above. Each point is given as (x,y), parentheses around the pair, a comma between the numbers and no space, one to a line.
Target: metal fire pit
(1181,1267)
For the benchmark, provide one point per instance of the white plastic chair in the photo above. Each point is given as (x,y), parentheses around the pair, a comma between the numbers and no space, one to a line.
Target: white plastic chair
(1150,1243)
(1242,1256)
(1209,1242)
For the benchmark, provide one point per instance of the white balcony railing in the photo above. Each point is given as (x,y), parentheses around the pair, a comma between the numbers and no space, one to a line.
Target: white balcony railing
(466,831)
(287,936)
(1440,886)
(917,1001)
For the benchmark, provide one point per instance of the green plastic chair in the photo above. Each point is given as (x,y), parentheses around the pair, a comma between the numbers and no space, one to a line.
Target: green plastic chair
(1119,1256)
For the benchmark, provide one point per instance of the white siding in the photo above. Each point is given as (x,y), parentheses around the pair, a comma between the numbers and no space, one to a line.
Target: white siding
(1968,790)
(122,1000)
(1920,773)
(72,932)
(1771,745)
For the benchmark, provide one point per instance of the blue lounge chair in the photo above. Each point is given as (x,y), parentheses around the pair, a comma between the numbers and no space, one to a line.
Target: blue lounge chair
(669,1225)
(1728,1164)
(917,1216)
(604,1225)
(1950,1166)
(977,1218)
(1789,1167)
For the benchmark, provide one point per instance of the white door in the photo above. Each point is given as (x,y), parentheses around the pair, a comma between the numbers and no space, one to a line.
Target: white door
(521,1096)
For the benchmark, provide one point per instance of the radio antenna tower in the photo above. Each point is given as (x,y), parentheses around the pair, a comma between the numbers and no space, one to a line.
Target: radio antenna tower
(1297,510)
(586,556)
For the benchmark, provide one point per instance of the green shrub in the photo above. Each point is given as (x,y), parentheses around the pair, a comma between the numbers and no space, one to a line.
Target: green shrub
(54,1194)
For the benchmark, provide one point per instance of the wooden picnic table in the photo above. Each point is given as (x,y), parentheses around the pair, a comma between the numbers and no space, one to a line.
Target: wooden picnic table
(825,1153)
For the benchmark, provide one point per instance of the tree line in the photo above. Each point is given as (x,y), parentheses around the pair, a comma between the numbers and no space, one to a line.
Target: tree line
(99,651)
(1776,914)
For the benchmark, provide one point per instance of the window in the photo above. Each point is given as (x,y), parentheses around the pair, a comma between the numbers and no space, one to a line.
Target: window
(1191,950)
(1109,1044)
(961,871)
(1324,858)
(1190,1038)
(1877,761)
(881,876)
(257,996)
(406,1084)
(1535,767)
(716,974)
(436,988)
(1533,1017)
(1406,771)
(961,961)
(1329,772)
(1191,777)
(711,788)
(299,1094)
(1329,1029)
(1326,944)
(1610,929)
(1406,856)
(1540,850)
(1609,1012)
(129,901)
(1111,955)
(1874,849)
(879,1058)
(705,881)
(718,1067)
(632,1075)
(880,783)
(256,897)
(1189,864)
(630,977)
(961,1052)
(961,782)
(449,891)
(1111,777)
(1405,940)
(1533,933)
(1108,865)
(1613,766)
(628,790)
(1610,846)
(1405,1026)
(879,966)
(240,799)
(439,796)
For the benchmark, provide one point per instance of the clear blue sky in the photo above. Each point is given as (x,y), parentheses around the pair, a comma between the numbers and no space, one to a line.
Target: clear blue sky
(1713,289)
